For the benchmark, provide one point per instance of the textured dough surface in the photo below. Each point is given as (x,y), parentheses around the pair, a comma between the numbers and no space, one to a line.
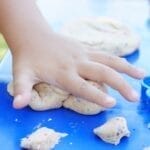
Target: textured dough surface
(104,34)
(83,106)
(42,139)
(46,97)
(113,130)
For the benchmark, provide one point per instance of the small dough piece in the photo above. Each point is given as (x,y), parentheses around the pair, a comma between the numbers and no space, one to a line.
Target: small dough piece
(44,96)
(104,34)
(113,130)
(42,139)
(83,106)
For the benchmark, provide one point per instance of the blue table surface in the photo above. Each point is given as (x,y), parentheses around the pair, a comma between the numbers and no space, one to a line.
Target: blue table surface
(16,124)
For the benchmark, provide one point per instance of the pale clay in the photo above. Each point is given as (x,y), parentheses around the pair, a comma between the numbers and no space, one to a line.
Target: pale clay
(103,34)
(113,130)
(42,139)
(46,97)
(83,106)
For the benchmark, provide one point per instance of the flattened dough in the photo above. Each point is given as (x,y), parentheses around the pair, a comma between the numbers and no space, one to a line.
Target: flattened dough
(104,34)
(42,139)
(44,96)
(83,106)
(113,130)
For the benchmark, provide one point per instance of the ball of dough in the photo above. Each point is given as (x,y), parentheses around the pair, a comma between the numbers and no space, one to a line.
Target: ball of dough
(44,96)
(42,139)
(83,106)
(113,130)
(104,34)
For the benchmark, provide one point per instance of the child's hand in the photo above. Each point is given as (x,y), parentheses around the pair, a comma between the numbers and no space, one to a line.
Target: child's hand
(40,55)
(65,63)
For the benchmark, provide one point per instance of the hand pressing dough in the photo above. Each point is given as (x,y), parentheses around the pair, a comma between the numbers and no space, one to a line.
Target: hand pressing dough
(83,106)
(113,130)
(44,96)
(42,139)
(104,34)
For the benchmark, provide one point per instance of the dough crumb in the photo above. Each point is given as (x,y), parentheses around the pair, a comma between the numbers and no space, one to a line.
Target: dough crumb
(113,130)
(38,126)
(16,120)
(50,119)
(42,139)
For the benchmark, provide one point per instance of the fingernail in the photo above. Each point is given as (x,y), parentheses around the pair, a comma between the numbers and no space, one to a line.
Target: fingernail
(142,72)
(18,98)
(134,95)
(17,101)
(110,102)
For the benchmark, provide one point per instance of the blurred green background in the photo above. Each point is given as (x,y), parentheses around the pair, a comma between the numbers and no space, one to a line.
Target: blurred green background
(3,47)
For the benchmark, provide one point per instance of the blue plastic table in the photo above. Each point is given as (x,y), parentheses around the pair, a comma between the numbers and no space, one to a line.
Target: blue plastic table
(15,124)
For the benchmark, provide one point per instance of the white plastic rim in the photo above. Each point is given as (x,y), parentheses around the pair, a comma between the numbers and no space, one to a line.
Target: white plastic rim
(6,68)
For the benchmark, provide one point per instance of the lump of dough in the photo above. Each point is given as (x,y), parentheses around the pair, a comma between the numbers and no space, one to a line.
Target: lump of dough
(104,34)
(113,130)
(42,139)
(83,106)
(44,96)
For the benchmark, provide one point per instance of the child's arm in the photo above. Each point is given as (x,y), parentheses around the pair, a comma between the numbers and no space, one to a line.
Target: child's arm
(40,55)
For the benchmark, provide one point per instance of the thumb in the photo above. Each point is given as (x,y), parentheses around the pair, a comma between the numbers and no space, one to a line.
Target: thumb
(23,85)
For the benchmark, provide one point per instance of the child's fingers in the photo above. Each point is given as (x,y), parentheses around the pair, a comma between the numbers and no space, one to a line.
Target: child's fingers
(117,63)
(22,89)
(101,73)
(81,88)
